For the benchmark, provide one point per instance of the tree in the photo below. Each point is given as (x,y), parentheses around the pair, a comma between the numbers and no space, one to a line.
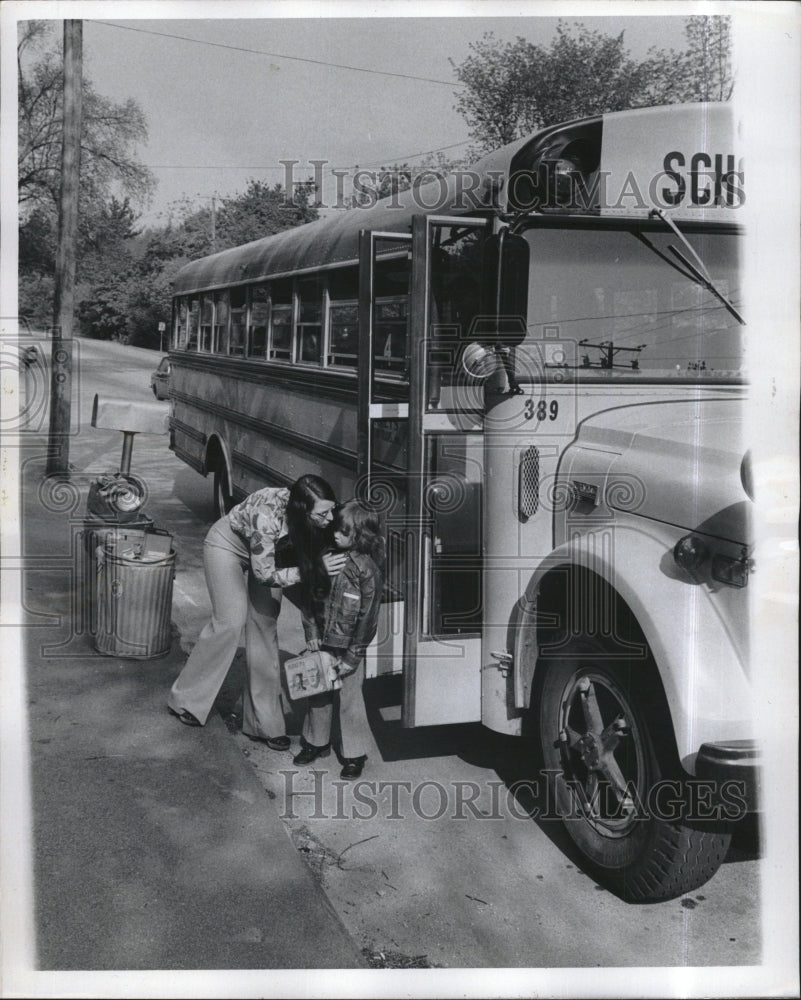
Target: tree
(105,239)
(707,61)
(511,89)
(261,211)
(109,135)
(103,314)
(372,185)
(131,285)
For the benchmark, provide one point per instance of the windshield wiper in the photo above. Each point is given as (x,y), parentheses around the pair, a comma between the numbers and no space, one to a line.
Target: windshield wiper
(698,271)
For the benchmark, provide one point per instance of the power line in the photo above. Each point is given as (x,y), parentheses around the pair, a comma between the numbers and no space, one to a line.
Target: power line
(406,156)
(279,55)
(356,166)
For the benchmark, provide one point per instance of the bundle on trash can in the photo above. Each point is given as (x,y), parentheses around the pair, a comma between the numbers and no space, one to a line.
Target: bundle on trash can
(116,497)
(135,572)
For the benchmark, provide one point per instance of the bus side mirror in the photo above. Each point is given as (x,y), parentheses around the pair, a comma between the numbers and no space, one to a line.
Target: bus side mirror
(504,291)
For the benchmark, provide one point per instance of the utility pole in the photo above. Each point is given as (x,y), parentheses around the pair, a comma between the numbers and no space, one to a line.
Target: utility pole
(64,298)
(213,223)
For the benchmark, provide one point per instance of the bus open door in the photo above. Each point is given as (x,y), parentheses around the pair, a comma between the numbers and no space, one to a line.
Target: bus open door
(421,462)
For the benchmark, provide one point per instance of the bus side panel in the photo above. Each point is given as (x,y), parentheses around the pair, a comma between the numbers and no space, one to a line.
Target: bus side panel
(385,653)
(271,432)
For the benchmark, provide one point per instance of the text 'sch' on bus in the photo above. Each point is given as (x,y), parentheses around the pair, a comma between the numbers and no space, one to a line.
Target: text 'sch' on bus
(534,371)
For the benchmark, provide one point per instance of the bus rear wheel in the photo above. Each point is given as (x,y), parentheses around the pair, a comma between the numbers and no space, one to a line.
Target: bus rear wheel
(603,731)
(222,492)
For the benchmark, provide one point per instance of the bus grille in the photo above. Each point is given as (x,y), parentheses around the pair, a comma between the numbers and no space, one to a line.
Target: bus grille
(528,483)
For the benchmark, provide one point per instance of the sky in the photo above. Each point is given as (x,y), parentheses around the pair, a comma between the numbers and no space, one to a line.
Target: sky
(219,115)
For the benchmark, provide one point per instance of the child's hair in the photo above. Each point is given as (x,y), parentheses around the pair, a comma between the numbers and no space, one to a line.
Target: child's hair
(364,527)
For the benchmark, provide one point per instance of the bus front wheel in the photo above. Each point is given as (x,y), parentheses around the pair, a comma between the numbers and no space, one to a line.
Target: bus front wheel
(222,492)
(603,731)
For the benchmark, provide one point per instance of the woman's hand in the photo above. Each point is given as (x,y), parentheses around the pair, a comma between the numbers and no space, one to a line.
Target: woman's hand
(313,645)
(334,561)
(344,669)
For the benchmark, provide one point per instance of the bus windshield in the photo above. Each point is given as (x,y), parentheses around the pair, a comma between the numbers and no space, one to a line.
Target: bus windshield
(619,300)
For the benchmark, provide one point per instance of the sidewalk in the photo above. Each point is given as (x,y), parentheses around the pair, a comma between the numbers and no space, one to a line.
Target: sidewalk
(155,845)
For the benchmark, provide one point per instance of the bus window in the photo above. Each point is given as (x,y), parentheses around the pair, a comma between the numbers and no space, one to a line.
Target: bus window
(391,335)
(259,321)
(310,321)
(391,316)
(180,315)
(221,316)
(636,308)
(193,325)
(456,270)
(343,317)
(206,319)
(236,344)
(281,320)
(343,324)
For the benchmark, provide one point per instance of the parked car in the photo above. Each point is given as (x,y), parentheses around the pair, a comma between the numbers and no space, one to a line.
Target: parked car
(160,380)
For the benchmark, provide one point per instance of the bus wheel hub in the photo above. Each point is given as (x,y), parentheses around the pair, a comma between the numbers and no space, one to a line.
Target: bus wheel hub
(589,752)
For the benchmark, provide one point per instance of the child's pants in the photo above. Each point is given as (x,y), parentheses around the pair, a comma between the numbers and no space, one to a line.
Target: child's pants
(353,725)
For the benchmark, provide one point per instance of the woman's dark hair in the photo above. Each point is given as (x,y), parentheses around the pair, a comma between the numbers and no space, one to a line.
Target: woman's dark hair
(364,527)
(308,539)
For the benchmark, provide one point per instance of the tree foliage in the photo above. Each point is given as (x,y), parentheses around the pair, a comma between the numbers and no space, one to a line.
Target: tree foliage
(161,252)
(110,132)
(111,175)
(260,211)
(707,62)
(511,89)
(386,181)
(130,292)
(123,276)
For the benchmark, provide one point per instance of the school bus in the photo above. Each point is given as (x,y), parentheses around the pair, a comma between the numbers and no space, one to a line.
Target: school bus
(534,371)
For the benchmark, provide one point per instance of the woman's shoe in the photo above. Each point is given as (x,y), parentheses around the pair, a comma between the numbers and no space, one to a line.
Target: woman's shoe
(186,717)
(309,752)
(353,767)
(273,742)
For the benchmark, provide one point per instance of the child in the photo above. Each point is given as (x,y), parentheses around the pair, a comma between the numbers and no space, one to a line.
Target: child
(342,625)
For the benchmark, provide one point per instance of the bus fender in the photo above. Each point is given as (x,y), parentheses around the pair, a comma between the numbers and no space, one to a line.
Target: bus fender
(701,669)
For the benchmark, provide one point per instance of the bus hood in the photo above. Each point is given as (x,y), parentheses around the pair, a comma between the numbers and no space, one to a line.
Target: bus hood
(676,462)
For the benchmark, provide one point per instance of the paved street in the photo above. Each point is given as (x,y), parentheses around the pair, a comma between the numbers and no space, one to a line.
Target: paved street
(149,850)
(404,872)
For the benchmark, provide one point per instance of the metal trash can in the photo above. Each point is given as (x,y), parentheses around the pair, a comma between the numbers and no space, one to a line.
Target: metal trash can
(96,529)
(135,572)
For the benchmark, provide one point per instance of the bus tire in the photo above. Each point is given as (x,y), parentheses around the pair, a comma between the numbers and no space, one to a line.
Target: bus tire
(222,492)
(604,736)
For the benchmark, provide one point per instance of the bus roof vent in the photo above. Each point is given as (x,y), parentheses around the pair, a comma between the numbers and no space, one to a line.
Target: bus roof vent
(528,483)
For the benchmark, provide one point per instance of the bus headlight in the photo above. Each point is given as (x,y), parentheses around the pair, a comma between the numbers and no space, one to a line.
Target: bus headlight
(690,552)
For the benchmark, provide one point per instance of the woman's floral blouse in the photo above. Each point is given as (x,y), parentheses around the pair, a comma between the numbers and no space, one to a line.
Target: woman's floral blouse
(261,520)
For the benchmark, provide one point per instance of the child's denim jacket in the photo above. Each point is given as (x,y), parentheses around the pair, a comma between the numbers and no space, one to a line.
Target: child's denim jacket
(350,618)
